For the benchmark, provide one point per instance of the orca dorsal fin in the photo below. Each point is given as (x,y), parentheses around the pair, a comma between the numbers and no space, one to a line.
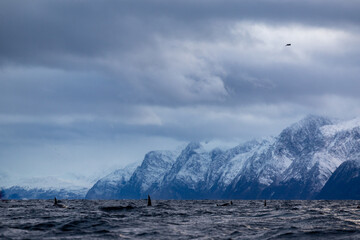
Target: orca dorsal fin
(149,201)
(55,201)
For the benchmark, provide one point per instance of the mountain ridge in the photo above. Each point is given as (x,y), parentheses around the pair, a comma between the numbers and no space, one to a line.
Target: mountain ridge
(300,163)
(294,165)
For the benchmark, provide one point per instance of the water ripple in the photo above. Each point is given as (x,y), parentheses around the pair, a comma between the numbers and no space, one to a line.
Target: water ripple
(39,219)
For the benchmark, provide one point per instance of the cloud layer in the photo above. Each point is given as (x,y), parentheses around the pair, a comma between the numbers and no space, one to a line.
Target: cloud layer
(87,71)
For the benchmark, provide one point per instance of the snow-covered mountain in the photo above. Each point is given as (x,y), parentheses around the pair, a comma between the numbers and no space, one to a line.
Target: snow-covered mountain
(187,175)
(307,166)
(106,187)
(17,192)
(294,165)
(148,175)
(69,185)
(43,188)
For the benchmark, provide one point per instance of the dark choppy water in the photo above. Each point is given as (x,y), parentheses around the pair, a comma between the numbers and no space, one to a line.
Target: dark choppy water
(39,219)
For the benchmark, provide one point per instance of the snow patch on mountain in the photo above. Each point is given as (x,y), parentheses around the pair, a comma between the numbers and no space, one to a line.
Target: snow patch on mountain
(156,163)
(239,160)
(332,130)
(120,175)
(106,187)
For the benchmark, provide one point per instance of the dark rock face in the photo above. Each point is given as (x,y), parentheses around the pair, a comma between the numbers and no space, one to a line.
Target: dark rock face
(344,183)
(303,188)
(1,193)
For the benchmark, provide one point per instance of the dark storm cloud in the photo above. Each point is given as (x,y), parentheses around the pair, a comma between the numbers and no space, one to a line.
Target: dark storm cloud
(50,32)
(184,70)
(167,53)
(87,80)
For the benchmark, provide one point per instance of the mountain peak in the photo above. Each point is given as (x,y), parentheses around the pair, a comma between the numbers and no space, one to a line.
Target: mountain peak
(193,145)
(309,124)
(312,120)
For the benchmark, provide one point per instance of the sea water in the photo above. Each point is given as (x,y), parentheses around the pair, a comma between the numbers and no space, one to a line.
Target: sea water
(173,219)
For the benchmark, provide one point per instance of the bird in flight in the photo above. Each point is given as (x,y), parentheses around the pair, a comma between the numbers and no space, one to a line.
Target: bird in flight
(288,45)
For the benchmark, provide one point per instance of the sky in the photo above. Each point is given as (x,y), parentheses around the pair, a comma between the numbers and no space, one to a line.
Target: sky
(87,86)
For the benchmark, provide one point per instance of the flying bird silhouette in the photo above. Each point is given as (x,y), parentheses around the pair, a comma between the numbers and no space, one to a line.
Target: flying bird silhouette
(288,45)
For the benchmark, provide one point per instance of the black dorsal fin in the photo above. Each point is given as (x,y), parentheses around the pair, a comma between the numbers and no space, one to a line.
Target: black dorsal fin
(55,201)
(149,201)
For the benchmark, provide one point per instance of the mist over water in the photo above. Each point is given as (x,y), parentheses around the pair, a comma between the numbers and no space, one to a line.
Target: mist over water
(170,219)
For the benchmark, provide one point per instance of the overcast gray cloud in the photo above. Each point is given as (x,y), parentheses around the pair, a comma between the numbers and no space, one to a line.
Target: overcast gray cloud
(79,74)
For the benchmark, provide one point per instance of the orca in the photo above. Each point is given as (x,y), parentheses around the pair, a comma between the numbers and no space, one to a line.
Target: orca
(265,203)
(116,208)
(288,45)
(57,204)
(149,201)
(225,204)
